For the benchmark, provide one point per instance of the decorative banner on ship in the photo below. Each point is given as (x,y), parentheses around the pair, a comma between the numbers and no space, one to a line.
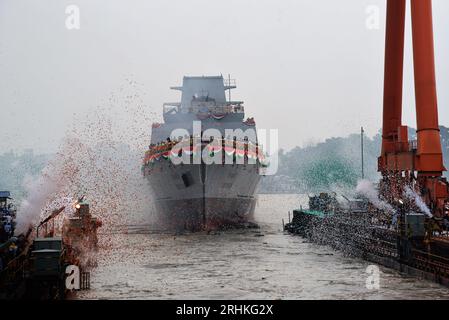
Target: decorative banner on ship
(218,116)
(240,153)
(252,155)
(213,150)
(188,150)
(203,113)
(165,155)
(177,149)
(176,153)
(250,122)
(229,150)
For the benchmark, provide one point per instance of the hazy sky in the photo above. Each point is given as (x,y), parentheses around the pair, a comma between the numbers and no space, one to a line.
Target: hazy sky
(310,68)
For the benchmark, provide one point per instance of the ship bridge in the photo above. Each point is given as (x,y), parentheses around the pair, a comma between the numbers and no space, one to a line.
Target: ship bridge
(194,87)
(203,99)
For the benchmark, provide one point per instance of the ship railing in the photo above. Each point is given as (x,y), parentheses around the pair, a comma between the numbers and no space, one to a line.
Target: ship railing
(229,107)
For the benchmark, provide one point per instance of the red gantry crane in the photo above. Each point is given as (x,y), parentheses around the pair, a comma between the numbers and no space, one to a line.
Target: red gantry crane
(418,164)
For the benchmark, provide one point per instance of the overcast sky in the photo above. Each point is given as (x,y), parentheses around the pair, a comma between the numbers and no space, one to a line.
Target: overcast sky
(310,68)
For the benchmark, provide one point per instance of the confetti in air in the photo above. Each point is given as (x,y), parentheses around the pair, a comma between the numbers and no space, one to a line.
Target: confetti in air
(99,158)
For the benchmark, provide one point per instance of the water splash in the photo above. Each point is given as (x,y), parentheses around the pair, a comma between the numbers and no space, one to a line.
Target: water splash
(414,196)
(39,190)
(367,189)
(100,158)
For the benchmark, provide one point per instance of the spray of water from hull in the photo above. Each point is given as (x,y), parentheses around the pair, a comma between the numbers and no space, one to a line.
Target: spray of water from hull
(414,196)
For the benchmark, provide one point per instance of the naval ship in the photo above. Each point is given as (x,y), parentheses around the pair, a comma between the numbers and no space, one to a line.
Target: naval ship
(204,162)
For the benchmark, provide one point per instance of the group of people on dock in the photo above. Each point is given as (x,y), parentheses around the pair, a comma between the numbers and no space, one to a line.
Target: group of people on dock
(7,222)
(8,245)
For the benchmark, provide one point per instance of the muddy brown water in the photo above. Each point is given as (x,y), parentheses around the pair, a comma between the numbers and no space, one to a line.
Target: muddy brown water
(241,264)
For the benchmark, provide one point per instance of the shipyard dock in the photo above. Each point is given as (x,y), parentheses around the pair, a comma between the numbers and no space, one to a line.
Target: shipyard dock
(44,263)
(409,246)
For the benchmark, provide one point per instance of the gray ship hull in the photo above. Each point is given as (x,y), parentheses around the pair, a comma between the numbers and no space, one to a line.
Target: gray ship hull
(200,196)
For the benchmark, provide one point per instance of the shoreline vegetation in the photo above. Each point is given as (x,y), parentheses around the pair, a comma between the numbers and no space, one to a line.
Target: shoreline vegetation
(332,165)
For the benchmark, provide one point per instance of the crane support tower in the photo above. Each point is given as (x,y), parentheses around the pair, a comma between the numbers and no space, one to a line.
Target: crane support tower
(417,164)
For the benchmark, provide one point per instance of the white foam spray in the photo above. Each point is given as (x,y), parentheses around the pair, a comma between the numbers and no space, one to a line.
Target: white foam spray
(413,195)
(39,190)
(100,158)
(367,189)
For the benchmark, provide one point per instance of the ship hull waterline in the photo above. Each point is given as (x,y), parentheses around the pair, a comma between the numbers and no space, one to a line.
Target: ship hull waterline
(199,196)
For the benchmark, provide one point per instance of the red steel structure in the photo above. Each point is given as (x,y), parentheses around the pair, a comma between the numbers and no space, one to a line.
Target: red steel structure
(403,162)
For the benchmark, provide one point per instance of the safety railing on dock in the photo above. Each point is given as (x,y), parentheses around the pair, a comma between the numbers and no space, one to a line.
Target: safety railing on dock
(430,262)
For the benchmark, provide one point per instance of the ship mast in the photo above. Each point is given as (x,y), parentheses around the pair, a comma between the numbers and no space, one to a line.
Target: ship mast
(229,79)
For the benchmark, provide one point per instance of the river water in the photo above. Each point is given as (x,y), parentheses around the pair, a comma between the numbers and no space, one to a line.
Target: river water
(260,263)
